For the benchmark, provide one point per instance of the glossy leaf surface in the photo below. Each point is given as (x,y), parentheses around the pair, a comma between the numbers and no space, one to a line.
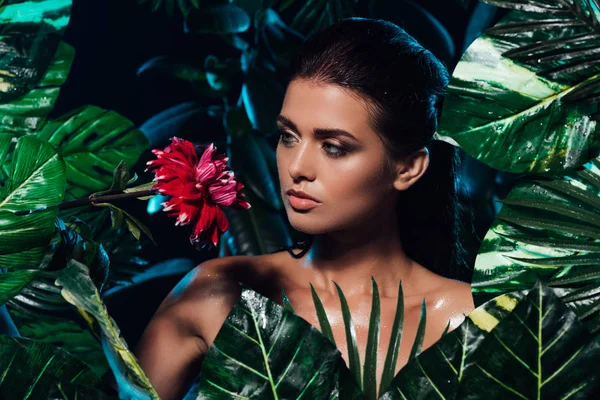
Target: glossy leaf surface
(547,229)
(93,142)
(36,181)
(30,369)
(524,96)
(267,352)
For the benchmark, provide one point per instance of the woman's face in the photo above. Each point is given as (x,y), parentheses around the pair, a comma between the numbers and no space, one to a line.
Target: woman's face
(328,150)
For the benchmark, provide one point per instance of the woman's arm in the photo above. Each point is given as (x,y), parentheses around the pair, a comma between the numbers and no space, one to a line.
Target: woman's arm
(175,341)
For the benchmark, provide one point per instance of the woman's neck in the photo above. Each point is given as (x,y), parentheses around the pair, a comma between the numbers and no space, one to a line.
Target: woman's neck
(350,258)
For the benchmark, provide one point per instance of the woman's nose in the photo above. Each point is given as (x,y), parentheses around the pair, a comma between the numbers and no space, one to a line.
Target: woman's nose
(302,164)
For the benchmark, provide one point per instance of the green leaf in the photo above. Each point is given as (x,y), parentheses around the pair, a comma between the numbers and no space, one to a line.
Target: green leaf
(30,369)
(27,113)
(322,315)
(370,367)
(224,19)
(134,225)
(351,343)
(36,181)
(79,290)
(389,366)
(31,32)
(437,372)
(276,353)
(93,142)
(548,230)
(11,283)
(522,97)
(416,347)
(548,352)
(64,332)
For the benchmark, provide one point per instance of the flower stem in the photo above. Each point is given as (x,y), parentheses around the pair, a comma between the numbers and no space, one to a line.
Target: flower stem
(104,199)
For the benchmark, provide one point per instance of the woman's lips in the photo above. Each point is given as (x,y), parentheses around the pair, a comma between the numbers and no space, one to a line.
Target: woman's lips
(301,203)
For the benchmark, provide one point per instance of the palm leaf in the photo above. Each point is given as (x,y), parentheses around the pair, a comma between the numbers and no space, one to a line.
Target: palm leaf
(547,229)
(418,343)
(351,344)
(322,315)
(276,353)
(389,366)
(540,66)
(286,302)
(370,367)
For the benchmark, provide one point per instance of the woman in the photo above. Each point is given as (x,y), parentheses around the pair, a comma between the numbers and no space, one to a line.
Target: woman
(360,109)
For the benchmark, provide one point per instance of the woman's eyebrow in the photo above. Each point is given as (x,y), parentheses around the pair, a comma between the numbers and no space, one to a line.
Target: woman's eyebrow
(317,131)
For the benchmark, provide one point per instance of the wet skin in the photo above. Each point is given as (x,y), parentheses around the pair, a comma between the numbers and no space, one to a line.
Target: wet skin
(355,236)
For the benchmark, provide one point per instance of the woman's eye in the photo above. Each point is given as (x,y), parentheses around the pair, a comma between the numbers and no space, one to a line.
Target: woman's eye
(334,151)
(285,137)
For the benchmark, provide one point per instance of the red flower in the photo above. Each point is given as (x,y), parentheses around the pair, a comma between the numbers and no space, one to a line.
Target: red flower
(199,188)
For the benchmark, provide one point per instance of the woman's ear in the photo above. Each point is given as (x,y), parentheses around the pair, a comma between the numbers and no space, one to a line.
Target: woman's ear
(411,169)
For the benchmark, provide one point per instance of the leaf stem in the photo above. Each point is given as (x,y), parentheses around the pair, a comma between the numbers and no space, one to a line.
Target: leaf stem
(104,199)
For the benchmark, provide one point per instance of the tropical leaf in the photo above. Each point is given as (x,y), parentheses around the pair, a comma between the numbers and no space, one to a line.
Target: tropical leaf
(524,97)
(31,32)
(369,384)
(64,332)
(351,343)
(547,229)
(93,142)
(322,315)
(11,283)
(437,372)
(36,181)
(79,290)
(224,19)
(30,369)
(28,112)
(540,350)
(274,352)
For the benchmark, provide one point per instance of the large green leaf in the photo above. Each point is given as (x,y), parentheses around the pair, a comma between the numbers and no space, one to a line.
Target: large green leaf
(437,372)
(538,351)
(268,352)
(36,181)
(30,32)
(30,369)
(79,290)
(93,142)
(547,229)
(524,97)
